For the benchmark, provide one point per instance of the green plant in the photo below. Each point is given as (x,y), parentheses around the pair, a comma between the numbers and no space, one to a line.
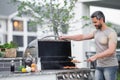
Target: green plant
(9,45)
(51,13)
(118,75)
(1,54)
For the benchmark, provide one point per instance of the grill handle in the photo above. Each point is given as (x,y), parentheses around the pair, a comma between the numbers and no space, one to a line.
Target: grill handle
(55,36)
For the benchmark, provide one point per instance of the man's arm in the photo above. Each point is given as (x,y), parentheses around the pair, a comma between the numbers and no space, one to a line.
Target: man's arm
(78,37)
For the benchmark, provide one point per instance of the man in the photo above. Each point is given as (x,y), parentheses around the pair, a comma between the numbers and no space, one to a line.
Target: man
(106,41)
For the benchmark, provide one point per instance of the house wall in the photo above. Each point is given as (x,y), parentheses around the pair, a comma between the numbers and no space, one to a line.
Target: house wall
(9,34)
(80,47)
(2,30)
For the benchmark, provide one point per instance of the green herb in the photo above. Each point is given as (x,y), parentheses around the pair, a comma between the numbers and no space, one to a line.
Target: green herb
(9,45)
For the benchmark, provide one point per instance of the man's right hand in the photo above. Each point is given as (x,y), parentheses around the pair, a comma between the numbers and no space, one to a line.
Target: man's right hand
(62,37)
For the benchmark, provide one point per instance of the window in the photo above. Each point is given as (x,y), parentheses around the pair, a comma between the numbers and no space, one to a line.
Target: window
(17,25)
(32,27)
(118,44)
(31,38)
(18,40)
(19,54)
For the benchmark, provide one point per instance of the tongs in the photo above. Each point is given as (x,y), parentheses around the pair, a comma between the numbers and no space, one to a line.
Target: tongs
(76,61)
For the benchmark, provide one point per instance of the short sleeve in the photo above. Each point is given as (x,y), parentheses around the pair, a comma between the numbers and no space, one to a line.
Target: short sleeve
(93,33)
(113,37)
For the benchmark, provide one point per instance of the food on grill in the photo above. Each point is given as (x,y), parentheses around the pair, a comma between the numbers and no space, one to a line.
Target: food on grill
(69,67)
(75,61)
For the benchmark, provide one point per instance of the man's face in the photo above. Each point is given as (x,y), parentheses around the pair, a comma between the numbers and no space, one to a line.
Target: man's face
(97,23)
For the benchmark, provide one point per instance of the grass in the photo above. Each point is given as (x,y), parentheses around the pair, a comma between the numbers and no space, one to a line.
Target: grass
(118,75)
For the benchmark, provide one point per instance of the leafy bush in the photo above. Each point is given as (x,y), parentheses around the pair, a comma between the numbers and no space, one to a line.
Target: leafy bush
(1,54)
(9,45)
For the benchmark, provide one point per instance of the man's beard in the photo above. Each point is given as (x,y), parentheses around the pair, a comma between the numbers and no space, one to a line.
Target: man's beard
(99,26)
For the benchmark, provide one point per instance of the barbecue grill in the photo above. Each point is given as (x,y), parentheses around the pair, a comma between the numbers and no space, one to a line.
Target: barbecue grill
(55,56)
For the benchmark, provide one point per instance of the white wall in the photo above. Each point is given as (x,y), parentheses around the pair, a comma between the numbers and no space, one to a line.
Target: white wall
(2,30)
(79,47)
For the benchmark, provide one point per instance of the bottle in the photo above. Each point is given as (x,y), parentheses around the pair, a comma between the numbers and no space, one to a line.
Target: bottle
(12,67)
(20,62)
(38,64)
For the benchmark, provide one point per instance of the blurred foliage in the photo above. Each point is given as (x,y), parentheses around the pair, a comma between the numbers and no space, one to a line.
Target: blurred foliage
(85,18)
(1,54)
(87,22)
(109,24)
(118,74)
(51,12)
(9,45)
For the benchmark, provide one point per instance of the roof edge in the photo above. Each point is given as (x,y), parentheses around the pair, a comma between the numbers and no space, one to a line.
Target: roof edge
(88,0)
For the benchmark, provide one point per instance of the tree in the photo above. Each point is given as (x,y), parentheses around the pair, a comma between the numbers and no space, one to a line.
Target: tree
(52,12)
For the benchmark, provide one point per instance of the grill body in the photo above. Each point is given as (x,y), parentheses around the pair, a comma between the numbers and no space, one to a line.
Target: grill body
(54,54)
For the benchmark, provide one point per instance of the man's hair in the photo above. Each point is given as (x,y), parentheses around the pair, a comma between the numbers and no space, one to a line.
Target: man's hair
(98,15)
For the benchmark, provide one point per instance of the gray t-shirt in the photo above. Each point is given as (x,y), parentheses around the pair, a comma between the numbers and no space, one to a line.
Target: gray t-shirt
(101,40)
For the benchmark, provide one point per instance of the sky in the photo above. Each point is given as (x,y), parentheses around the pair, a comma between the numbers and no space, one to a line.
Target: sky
(112,15)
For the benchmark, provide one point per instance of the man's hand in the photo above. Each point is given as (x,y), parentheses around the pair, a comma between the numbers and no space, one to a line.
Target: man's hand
(62,37)
(92,58)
